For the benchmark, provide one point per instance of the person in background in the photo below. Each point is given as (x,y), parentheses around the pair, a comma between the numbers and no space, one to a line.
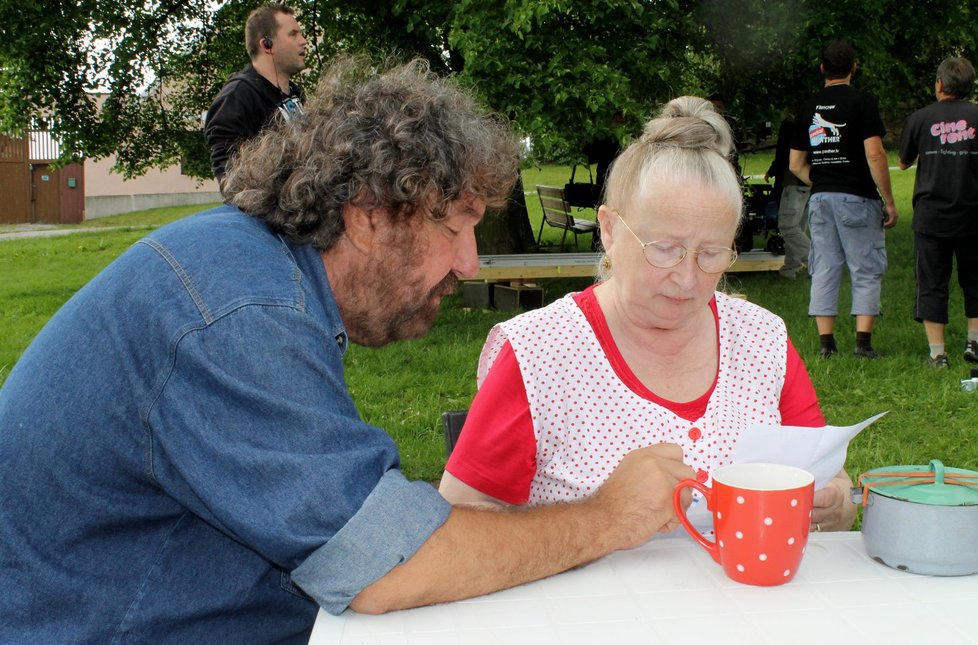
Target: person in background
(602,153)
(263,89)
(180,458)
(791,195)
(652,354)
(837,149)
(940,138)
(719,104)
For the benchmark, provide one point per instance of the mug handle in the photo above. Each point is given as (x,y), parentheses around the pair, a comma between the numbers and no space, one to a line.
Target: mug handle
(711,547)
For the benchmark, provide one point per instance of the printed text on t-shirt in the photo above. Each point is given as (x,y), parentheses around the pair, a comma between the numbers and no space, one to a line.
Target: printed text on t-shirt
(952,132)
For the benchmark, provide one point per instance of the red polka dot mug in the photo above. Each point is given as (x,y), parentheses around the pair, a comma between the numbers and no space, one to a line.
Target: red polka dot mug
(761,515)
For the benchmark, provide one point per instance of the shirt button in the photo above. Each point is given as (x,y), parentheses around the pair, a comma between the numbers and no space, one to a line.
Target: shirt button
(702,476)
(695,433)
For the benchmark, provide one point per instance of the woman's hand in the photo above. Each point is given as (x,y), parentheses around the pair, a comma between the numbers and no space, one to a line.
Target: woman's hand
(832,510)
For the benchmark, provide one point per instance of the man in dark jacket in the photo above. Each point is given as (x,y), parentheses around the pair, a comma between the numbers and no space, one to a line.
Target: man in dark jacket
(251,97)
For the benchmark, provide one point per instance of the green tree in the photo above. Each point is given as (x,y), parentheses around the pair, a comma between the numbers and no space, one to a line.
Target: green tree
(558,68)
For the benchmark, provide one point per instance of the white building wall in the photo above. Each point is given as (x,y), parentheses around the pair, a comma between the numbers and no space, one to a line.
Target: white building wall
(109,193)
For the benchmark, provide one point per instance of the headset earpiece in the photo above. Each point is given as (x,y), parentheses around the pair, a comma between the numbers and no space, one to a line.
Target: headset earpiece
(266,42)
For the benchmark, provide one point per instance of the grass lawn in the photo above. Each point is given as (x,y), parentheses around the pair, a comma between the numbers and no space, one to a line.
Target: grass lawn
(405,387)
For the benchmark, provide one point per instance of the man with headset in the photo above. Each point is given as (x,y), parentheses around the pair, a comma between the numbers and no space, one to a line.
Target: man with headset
(251,97)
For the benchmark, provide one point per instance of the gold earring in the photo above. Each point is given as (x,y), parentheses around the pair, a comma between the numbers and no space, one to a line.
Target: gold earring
(606,263)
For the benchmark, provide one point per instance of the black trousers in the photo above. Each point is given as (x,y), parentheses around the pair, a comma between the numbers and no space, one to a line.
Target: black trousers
(933,258)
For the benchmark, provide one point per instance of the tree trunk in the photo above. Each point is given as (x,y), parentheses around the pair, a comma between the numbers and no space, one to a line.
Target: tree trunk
(507,230)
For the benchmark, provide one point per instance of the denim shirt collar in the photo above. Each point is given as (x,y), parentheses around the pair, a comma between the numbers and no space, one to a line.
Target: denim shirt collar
(310,263)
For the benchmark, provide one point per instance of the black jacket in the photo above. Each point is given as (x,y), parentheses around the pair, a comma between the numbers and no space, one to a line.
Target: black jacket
(241,109)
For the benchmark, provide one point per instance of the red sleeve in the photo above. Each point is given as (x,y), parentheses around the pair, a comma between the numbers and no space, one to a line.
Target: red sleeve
(799,403)
(496,451)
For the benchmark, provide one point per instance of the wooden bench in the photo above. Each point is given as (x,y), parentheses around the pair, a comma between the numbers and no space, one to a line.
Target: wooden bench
(556,213)
(530,266)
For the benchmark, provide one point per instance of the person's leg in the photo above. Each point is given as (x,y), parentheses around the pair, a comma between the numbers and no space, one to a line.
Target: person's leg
(932,273)
(971,345)
(825,263)
(792,221)
(861,235)
(935,337)
(826,336)
(966,254)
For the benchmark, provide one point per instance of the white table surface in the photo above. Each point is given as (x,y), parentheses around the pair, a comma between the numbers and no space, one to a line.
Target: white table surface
(671,591)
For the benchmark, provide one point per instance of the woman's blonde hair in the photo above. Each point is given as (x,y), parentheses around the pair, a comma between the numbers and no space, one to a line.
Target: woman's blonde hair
(687,140)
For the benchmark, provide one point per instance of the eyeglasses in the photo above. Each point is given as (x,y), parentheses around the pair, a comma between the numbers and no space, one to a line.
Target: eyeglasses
(665,255)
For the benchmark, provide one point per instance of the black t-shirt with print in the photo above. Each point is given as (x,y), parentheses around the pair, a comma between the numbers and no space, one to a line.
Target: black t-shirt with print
(831,127)
(941,138)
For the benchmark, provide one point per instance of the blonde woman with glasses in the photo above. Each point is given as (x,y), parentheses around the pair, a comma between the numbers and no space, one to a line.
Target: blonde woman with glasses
(651,354)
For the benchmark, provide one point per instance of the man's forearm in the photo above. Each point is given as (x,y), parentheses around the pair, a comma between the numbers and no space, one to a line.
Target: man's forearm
(799,166)
(879,168)
(480,550)
(880,171)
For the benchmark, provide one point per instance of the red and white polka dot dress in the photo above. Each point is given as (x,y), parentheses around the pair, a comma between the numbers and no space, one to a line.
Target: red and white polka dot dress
(586,418)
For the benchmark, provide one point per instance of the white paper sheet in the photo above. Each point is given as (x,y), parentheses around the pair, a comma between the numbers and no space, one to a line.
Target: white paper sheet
(820,451)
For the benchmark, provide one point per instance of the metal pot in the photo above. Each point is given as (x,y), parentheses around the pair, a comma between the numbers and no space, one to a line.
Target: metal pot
(921,519)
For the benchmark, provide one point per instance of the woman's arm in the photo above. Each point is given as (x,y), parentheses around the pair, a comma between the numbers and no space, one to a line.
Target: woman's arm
(495,456)
(458,492)
(833,510)
(799,407)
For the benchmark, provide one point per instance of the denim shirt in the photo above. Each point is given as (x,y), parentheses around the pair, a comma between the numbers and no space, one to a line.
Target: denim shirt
(180,459)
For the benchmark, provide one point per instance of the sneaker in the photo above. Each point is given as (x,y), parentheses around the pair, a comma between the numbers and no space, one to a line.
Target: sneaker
(865,352)
(827,352)
(939,361)
(971,351)
(791,274)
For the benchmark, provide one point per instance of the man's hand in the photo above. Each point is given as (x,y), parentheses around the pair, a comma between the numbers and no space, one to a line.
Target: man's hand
(891,215)
(637,497)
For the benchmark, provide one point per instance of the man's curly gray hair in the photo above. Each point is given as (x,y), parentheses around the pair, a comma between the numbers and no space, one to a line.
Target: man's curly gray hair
(403,140)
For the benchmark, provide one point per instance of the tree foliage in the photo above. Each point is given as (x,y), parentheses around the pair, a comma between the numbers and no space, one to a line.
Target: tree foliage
(559,69)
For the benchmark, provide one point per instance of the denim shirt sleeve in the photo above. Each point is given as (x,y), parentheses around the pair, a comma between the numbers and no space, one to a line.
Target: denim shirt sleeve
(394,521)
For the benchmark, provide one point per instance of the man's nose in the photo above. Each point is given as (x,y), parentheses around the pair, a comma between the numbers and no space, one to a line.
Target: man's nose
(467,256)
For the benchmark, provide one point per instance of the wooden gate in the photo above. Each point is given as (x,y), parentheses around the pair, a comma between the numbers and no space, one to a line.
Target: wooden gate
(59,193)
(44,182)
(15,181)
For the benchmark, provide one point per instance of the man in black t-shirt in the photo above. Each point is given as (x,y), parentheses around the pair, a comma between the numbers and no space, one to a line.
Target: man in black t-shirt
(837,149)
(251,97)
(945,203)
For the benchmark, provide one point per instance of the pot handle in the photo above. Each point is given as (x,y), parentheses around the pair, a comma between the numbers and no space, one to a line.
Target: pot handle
(938,469)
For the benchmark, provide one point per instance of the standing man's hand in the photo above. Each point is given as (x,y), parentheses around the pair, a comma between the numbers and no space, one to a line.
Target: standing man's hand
(891,215)
(637,497)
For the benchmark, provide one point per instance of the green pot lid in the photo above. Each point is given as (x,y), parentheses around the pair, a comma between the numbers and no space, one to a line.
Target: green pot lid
(941,491)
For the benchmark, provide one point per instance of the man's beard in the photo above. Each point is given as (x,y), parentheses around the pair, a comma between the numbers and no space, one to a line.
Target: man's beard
(392,304)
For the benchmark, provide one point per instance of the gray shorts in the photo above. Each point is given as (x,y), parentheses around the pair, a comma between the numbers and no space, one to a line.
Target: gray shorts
(846,232)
